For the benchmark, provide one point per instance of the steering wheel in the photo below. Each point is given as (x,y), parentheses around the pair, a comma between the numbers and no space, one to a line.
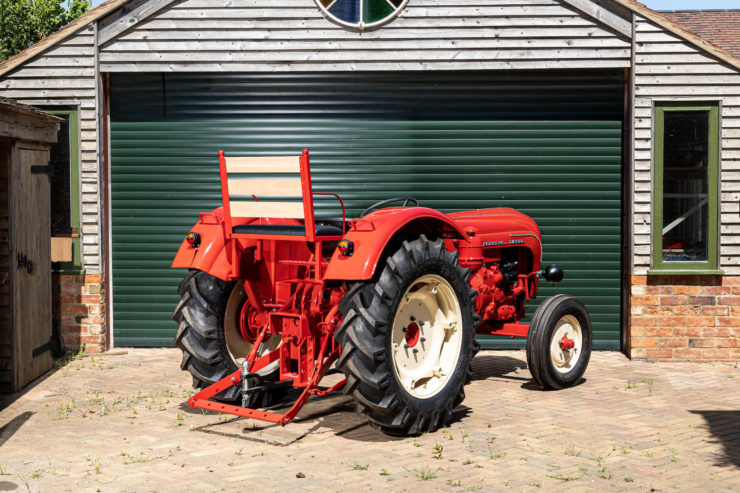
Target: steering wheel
(380,204)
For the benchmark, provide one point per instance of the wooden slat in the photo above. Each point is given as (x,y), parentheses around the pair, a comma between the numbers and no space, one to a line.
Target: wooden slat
(266,164)
(292,210)
(265,188)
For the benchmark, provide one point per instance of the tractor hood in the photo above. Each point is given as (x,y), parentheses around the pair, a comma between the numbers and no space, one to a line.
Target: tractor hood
(497,221)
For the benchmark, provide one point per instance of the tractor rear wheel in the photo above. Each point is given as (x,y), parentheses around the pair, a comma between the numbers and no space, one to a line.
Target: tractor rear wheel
(559,342)
(208,335)
(408,339)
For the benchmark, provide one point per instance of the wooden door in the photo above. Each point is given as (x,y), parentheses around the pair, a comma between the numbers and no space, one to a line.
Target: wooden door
(30,260)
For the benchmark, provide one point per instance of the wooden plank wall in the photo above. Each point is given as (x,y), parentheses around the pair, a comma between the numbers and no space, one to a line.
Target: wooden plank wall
(668,68)
(6,327)
(65,75)
(289,35)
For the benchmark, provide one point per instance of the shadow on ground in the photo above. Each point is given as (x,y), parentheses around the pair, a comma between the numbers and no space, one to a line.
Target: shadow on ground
(725,427)
(12,426)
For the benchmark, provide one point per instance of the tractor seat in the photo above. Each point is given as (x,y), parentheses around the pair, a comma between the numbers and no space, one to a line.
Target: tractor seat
(286,229)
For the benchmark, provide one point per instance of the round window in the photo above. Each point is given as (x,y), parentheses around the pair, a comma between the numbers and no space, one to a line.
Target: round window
(361,14)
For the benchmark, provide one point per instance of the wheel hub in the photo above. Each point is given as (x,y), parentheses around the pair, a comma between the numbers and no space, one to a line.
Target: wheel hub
(426,340)
(566,343)
(412,334)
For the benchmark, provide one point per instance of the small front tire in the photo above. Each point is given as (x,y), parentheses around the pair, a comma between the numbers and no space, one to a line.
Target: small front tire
(559,342)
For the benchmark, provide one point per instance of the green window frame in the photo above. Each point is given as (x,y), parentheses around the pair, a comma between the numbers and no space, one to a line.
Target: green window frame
(711,265)
(75,266)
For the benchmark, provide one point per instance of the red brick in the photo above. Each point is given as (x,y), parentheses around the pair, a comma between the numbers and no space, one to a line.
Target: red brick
(717,354)
(731,280)
(702,300)
(645,321)
(659,331)
(638,279)
(727,343)
(689,331)
(65,299)
(662,353)
(69,288)
(74,309)
(638,353)
(92,278)
(700,321)
(675,342)
(687,289)
(684,309)
(650,310)
(687,353)
(644,300)
(645,342)
(93,288)
(735,290)
(729,300)
(716,290)
(715,310)
(673,322)
(91,319)
(716,332)
(637,331)
(659,289)
(673,300)
(696,342)
(728,321)
(90,298)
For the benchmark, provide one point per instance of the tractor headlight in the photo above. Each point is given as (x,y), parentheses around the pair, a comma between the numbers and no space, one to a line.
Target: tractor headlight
(346,248)
(193,239)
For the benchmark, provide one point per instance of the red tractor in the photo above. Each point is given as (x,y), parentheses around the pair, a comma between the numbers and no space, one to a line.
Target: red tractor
(394,298)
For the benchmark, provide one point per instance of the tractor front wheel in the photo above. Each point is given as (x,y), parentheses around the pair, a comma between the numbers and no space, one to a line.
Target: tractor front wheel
(408,339)
(208,335)
(559,342)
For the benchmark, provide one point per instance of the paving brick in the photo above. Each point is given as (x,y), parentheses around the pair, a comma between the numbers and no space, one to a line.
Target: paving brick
(629,426)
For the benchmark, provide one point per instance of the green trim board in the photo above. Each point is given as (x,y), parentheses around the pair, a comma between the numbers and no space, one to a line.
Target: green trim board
(548,143)
(75,266)
(711,265)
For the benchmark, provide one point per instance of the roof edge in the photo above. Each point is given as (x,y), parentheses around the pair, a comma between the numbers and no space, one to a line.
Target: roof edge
(680,31)
(53,39)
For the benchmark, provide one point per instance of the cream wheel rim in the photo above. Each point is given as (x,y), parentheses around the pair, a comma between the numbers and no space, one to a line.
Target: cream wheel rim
(426,337)
(566,344)
(237,346)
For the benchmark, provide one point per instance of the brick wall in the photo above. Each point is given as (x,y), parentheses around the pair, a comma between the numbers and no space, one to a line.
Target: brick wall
(78,303)
(694,318)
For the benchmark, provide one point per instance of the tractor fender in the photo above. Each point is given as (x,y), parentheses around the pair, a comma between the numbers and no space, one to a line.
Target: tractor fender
(371,235)
(210,256)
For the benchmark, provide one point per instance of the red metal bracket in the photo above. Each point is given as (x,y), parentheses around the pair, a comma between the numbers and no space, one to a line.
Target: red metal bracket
(200,400)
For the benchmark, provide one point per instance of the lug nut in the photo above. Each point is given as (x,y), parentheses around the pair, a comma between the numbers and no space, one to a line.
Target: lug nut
(412,319)
(423,339)
(416,350)
(405,346)
(421,324)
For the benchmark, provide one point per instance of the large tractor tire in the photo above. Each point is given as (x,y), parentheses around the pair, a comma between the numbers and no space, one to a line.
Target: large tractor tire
(559,342)
(209,337)
(408,339)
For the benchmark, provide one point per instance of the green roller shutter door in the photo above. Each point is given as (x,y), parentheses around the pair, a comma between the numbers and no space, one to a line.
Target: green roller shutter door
(546,143)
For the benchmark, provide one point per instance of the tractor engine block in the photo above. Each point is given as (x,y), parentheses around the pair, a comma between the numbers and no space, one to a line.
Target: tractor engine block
(498,289)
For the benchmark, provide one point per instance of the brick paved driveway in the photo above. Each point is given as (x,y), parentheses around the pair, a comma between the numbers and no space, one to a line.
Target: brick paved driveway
(119,423)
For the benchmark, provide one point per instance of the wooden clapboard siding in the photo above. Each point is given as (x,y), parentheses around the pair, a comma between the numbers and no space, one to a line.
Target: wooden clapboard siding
(65,75)
(286,35)
(669,68)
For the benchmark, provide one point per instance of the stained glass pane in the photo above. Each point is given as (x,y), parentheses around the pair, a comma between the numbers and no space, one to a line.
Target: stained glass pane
(375,11)
(326,3)
(346,10)
(395,3)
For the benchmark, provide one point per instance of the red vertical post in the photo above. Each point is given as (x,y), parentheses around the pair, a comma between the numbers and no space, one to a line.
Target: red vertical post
(227,210)
(307,191)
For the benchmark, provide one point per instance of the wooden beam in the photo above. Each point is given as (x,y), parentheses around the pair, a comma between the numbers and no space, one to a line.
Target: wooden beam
(604,16)
(127,17)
